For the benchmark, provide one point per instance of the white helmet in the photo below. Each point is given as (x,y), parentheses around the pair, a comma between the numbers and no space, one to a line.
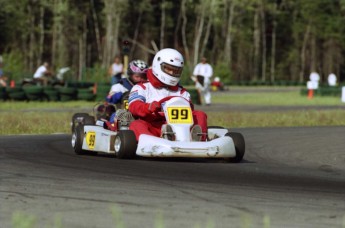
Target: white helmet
(167,66)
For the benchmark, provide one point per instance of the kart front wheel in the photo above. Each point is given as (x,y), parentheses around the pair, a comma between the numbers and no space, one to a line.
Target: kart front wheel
(77,140)
(239,146)
(125,145)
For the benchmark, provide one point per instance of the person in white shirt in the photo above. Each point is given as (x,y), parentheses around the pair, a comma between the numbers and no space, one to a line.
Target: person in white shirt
(116,70)
(42,73)
(202,76)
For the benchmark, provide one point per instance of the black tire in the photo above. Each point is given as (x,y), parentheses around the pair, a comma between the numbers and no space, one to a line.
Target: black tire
(89,120)
(17,96)
(77,140)
(86,96)
(216,127)
(125,145)
(51,94)
(239,146)
(76,118)
(67,91)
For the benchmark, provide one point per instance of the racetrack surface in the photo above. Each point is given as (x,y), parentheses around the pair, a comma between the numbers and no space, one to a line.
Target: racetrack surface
(291,177)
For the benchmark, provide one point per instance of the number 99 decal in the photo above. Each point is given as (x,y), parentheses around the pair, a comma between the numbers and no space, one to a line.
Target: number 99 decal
(90,139)
(180,115)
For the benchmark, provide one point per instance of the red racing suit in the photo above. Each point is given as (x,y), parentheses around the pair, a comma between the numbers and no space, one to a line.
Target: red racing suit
(147,122)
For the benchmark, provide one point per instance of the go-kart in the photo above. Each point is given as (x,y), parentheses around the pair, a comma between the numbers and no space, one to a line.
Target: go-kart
(180,137)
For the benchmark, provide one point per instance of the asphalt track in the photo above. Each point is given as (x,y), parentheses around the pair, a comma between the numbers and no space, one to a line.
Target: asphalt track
(290,177)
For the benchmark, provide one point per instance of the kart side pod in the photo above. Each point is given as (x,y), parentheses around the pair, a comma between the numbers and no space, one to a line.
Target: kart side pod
(98,139)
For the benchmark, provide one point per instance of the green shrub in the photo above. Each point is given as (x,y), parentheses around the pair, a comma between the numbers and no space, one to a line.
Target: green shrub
(95,74)
(14,65)
(186,74)
(223,71)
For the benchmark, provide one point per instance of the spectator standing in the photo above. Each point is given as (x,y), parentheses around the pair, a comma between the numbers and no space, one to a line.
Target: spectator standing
(42,73)
(202,76)
(116,70)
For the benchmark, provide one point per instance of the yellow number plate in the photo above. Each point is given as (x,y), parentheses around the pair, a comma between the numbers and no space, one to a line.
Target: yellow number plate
(90,139)
(180,115)
(125,104)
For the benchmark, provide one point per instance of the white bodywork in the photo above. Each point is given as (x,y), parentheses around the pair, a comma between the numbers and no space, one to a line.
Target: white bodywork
(183,146)
(150,146)
(103,140)
(98,139)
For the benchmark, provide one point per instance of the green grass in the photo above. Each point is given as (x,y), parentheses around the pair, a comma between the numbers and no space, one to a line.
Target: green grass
(23,105)
(277,119)
(25,220)
(274,98)
(35,122)
(55,117)
(39,117)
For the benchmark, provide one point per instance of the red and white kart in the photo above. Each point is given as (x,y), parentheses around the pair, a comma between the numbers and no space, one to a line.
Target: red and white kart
(180,138)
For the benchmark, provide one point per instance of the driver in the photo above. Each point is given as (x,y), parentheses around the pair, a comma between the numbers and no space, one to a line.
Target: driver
(162,82)
(136,73)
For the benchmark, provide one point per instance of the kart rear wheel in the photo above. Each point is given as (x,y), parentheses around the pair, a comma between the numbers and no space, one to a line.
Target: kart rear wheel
(77,140)
(125,145)
(77,118)
(239,146)
(89,120)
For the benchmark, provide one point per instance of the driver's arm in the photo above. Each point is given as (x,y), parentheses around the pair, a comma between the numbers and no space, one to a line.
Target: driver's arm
(137,103)
(139,108)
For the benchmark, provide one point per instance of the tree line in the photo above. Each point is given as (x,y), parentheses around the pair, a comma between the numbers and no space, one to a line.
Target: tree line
(244,40)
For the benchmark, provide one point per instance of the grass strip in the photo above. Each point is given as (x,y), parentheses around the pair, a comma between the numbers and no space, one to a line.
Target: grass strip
(54,117)
(304,118)
(290,98)
(52,122)
(35,123)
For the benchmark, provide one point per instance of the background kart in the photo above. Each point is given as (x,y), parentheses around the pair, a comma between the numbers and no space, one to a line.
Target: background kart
(94,134)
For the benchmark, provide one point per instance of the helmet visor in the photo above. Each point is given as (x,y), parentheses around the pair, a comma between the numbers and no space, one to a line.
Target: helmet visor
(171,70)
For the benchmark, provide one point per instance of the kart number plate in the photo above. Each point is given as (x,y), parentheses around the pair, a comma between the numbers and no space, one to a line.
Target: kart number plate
(180,115)
(90,139)
(125,104)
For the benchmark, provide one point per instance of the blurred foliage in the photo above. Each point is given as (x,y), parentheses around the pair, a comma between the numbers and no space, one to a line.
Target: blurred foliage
(14,67)
(244,40)
(222,71)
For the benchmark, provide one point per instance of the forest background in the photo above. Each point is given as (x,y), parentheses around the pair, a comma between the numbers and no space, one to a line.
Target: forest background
(262,41)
